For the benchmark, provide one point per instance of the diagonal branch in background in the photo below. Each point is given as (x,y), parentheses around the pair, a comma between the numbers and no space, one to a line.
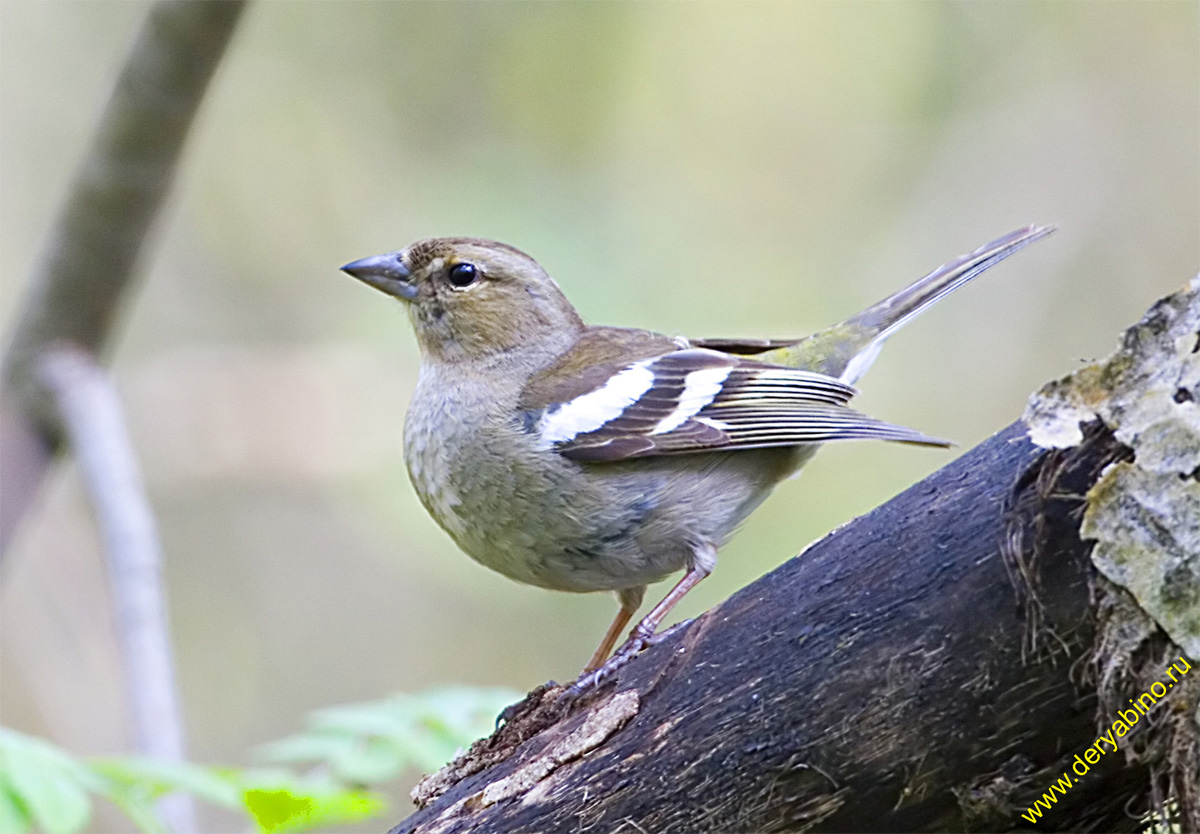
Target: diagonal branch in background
(76,290)
(90,412)
(83,273)
(935,665)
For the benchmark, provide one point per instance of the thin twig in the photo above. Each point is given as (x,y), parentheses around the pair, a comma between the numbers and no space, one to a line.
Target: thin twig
(91,415)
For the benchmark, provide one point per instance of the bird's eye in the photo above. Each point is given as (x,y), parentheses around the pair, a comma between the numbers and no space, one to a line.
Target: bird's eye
(462,275)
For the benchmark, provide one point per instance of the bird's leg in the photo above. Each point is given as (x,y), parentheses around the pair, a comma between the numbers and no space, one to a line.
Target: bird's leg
(630,600)
(704,559)
(644,632)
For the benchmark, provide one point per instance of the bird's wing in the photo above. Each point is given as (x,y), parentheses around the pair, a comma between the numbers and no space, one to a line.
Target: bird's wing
(696,400)
(598,354)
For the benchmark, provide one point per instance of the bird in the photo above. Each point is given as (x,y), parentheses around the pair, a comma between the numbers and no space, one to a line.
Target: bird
(584,458)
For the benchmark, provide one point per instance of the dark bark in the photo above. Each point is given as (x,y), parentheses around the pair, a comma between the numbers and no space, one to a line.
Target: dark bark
(904,673)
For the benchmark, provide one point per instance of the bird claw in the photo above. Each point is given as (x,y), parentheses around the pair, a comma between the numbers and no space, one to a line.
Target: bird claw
(592,680)
(635,645)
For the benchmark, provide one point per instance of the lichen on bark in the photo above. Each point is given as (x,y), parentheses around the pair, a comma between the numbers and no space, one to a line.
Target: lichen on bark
(1143,514)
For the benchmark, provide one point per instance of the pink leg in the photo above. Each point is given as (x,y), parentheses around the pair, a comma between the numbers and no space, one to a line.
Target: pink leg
(643,634)
(648,627)
(630,599)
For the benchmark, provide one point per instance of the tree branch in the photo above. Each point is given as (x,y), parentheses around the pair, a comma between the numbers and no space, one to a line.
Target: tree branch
(91,414)
(937,664)
(83,273)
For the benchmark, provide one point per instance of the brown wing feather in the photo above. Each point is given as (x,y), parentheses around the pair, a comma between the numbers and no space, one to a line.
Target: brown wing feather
(758,405)
(812,424)
(599,353)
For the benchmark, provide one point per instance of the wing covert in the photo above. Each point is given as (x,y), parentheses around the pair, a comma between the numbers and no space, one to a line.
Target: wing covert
(697,399)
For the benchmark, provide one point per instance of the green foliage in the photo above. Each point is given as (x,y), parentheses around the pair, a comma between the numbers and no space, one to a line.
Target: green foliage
(135,783)
(371,742)
(283,809)
(346,749)
(42,787)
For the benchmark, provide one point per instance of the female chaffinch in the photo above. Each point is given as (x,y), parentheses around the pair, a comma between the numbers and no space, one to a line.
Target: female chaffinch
(585,458)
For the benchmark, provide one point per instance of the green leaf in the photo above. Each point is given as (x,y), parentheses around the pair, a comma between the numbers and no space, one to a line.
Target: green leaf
(369,762)
(278,810)
(370,718)
(370,742)
(46,782)
(307,747)
(154,777)
(284,809)
(140,809)
(13,817)
(463,714)
(44,789)
(425,749)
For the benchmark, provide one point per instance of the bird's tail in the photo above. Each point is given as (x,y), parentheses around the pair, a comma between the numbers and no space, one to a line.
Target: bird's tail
(846,350)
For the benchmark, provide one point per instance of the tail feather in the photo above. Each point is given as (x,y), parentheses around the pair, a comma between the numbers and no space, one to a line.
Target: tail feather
(889,315)
(846,350)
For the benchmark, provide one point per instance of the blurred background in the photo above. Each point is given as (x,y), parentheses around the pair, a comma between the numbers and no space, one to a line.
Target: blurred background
(709,169)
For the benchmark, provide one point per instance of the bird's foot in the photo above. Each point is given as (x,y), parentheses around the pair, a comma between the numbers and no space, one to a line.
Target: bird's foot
(638,642)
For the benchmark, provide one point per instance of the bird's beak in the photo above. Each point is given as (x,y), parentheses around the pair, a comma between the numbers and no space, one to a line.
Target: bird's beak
(386,273)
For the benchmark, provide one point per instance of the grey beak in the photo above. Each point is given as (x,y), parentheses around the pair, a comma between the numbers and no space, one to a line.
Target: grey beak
(386,273)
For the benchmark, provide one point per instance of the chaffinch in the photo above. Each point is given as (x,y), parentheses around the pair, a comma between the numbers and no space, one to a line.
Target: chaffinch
(578,457)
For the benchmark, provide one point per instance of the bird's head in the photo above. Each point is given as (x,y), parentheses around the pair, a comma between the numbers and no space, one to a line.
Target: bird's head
(472,298)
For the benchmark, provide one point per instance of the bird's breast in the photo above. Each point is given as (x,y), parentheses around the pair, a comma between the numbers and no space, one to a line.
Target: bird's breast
(525,511)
